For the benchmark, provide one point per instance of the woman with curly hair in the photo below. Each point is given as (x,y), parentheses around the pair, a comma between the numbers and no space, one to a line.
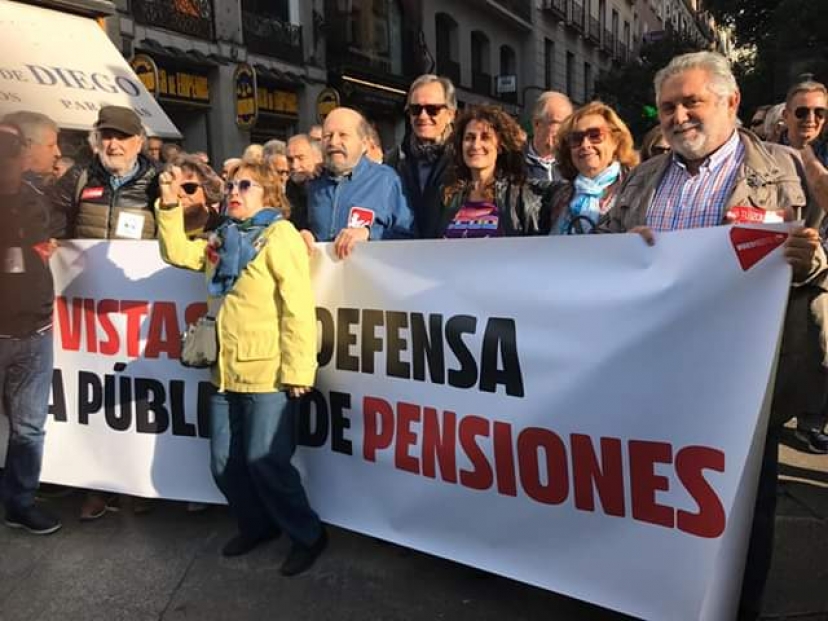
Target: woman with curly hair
(594,153)
(488,194)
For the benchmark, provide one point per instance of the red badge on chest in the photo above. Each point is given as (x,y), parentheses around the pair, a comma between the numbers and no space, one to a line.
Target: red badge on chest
(360,217)
(90,193)
(753,245)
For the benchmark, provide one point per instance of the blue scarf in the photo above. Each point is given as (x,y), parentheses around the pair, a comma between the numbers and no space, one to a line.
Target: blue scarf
(237,248)
(587,200)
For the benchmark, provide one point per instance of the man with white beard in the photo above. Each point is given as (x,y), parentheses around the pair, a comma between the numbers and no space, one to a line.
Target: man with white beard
(114,197)
(716,174)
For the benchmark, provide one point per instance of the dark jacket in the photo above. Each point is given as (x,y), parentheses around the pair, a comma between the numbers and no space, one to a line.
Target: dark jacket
(297,196)
(524,209)
(425,202)
(25,277)
(94,208)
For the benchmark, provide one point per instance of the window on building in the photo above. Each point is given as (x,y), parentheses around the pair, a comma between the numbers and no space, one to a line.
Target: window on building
(508,61)
(448,47)
(570,75)
(549,64)
(274,9)
(602,13)
(481,52)
(587,82)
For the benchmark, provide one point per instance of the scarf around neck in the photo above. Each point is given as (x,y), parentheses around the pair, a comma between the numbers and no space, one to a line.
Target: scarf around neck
(425,151)
(236,247)
(586,203)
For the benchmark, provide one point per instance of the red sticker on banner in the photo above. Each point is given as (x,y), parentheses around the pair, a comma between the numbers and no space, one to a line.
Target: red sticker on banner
(92,193)
(44,250)
(359,217)
(753,245)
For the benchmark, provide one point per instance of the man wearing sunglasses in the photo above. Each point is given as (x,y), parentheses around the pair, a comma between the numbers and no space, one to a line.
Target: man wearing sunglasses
(26,347)
(355,199)
(804,114)
(713,168)
(421,159)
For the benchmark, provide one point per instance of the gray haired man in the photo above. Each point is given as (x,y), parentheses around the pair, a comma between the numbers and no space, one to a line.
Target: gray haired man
(715,167)
(550,111)
(421,160)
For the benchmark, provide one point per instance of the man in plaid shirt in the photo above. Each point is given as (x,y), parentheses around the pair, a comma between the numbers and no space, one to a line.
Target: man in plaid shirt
(713,168)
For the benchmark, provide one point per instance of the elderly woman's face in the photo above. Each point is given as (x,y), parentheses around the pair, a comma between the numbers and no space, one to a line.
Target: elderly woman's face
(592,145)
(480,144)
(191,192)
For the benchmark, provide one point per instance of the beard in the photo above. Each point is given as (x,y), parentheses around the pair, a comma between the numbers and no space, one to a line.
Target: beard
(339,167)
(117,165)
(694,148)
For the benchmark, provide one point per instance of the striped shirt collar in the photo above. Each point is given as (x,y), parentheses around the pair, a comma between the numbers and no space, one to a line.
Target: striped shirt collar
(716,159)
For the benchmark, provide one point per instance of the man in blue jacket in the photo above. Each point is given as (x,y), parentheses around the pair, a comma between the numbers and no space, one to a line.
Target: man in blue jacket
(354,200)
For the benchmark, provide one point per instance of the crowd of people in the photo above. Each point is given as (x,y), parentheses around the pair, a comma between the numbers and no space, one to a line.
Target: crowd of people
(467,173)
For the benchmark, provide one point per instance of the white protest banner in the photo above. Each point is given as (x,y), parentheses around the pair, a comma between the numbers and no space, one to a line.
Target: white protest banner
(583,414)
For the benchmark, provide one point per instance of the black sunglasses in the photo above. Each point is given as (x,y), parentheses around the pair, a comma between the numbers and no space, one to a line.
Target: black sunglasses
(595,135)
(802,112)
(757,122)
(190,187)
(431,110)
(659,150)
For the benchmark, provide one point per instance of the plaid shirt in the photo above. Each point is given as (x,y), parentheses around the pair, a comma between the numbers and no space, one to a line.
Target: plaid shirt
(685,201)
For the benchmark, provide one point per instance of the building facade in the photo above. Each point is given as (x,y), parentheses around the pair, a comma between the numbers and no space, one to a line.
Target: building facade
(231,72)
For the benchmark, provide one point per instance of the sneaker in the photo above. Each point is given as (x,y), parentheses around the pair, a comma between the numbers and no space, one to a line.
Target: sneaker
(95,506)
(815,439)
(242,544)
(33,519)
(301,557)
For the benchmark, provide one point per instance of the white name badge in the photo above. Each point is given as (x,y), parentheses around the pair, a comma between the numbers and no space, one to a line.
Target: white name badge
(13,262)
(130,225)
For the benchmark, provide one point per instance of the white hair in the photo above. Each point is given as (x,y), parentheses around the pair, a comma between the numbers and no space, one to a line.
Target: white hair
(539,111)
(722,82)
(429,78)
(772,117)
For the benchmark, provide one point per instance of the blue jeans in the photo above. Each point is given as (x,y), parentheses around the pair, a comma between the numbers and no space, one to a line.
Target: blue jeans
(252,440)
(26,380)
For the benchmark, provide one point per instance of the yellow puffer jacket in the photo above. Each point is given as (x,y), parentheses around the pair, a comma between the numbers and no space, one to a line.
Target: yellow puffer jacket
(267,323)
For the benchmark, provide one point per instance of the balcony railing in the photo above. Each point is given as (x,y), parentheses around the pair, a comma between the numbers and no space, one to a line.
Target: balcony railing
(449,68)
(576,15)
(623,53)
(190,17)
(608,43)
(557,8)
(272,37)
(482,83)
(521,8)
(594,33)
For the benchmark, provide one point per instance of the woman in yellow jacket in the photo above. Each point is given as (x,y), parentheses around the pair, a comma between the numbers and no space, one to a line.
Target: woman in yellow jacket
(257,272)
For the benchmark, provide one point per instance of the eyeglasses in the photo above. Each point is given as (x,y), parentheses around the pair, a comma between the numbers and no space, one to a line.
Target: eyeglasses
(243,184)
(431,110)
(595,135)
(659,150)
(283,173)
(803,112)
(190,187)
(757,122)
